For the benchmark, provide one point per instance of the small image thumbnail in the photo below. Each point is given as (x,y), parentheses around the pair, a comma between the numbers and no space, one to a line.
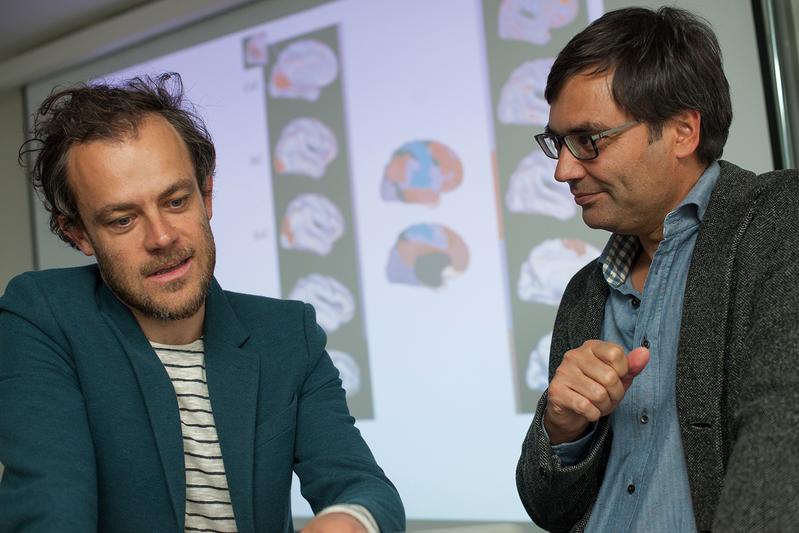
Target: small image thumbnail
(419,171)
(522,99)
(256,50)
(550,266)
(331,299)
(305,147)
(427,255)
(533,189)
(302,70)
(312,223)
(531,20)
(537,376)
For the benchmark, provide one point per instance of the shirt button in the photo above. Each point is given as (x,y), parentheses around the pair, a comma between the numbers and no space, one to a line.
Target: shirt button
(630,488)
(644,419)
(645,344)
(635,302)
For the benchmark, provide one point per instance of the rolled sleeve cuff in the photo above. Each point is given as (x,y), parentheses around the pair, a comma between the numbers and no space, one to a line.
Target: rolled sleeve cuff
(359,512)
(570,453)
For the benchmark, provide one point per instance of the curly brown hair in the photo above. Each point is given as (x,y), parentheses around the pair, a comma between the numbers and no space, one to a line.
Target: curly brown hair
(90,112)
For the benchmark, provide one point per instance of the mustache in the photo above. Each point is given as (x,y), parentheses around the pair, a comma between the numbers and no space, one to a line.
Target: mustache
(173,258)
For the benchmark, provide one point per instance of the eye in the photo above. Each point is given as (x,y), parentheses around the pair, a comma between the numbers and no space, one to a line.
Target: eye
(582,139)
(177,203)
(122,222)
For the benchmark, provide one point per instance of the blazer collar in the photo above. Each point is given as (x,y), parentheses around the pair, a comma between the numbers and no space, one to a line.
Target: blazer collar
(232,373)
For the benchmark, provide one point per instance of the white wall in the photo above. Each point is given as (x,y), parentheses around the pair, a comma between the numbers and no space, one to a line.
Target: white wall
(15,217)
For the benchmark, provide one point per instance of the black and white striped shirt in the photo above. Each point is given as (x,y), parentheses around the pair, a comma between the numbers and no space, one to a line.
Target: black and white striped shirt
(208,506)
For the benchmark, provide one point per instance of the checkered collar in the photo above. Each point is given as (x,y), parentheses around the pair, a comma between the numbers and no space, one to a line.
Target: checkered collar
(617,258)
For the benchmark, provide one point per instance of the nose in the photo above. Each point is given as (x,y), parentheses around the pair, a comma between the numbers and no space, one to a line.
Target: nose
(161,234)
(569,168)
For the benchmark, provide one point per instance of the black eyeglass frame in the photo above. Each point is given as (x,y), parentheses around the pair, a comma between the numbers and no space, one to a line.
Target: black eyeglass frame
(568,140)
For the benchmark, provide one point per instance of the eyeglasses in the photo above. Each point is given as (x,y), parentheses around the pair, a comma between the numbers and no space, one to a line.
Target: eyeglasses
(581,145)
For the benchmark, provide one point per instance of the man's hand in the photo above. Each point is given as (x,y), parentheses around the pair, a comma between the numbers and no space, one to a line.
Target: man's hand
(589,384)
(334,523)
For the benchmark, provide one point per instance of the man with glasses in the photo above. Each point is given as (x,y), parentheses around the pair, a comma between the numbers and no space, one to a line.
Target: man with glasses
(673,369)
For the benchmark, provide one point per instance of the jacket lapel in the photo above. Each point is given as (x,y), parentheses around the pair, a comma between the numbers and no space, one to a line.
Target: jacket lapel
(702,344)
(158,393)
(233,376)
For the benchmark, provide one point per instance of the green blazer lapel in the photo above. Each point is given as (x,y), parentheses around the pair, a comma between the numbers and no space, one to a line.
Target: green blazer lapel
(701,350)
(159,395)
(233,376)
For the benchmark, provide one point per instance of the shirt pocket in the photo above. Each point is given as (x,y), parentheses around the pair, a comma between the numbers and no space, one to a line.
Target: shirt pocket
(283,422)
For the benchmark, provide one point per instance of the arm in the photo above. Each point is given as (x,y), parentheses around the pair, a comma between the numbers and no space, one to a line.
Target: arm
(586,384)
(332,460)
(49,480)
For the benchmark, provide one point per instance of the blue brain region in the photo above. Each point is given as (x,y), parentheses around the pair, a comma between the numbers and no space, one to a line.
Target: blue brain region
(427,255)
(420,171)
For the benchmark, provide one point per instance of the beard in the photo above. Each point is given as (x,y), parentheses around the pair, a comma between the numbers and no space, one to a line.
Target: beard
(163,305)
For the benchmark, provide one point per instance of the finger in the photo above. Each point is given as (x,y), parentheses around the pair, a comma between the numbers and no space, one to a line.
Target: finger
(577,389)
(611,354)
(565,404)
(636,360)
(605,375)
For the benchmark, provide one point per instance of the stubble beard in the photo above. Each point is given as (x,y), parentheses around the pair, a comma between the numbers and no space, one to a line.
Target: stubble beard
(124,286)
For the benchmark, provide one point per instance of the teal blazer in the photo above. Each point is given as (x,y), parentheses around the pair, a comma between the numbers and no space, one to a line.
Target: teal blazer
(89,426)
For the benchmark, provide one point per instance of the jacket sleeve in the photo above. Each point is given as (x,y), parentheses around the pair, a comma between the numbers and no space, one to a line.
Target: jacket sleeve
(760,491)
(49,481)
(559,497)
(333,462)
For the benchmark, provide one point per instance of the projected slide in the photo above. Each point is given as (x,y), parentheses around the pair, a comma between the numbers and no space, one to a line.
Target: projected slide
(317,256)
(376,159)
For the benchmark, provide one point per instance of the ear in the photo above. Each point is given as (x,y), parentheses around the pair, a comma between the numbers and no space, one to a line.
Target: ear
(75,231)
(686,126)
(207,193)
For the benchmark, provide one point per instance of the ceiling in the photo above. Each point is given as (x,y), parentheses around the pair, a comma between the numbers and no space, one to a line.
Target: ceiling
(28,24)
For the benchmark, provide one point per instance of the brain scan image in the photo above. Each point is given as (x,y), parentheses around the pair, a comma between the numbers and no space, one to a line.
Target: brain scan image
(427,255)
(302,70)
(533,189)
(550,266)
(312,223)
(420,171)
(348,371)
(531,20)
(332,301)
(522,98)
(305,147)
(256,50)
(537,376)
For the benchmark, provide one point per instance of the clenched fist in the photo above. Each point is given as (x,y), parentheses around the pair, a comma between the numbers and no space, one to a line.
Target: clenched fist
(589,384)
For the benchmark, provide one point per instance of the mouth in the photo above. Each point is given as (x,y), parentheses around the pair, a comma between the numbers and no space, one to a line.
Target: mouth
(583,199)
(171,271)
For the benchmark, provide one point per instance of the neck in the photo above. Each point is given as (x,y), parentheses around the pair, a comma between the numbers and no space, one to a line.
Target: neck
(172,331)
(687,174)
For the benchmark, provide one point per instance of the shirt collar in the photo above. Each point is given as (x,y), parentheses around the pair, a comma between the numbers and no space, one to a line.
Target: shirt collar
(620,251)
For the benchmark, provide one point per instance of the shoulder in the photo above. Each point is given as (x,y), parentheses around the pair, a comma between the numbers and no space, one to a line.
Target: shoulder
(67,285)
(777,186)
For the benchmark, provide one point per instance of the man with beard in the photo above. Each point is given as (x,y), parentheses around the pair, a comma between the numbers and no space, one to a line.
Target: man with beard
(136,394)
(673,370)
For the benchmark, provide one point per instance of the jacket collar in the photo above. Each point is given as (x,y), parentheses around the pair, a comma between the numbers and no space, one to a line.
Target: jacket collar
(232,373)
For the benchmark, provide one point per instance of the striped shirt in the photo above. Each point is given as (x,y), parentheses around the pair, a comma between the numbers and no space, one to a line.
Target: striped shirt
(208,506)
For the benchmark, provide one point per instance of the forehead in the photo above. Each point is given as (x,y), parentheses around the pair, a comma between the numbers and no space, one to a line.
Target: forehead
(585,99)
(144,161)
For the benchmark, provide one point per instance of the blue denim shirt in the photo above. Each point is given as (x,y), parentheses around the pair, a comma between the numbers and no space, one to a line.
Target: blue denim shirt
(645,487)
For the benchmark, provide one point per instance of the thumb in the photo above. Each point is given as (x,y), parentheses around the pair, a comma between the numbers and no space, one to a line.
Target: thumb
(636,362)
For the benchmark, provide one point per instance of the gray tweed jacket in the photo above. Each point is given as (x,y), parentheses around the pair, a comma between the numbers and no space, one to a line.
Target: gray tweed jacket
(737,369)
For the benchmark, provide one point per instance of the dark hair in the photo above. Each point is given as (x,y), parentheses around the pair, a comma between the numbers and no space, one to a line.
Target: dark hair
(90,112)
(663,62)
